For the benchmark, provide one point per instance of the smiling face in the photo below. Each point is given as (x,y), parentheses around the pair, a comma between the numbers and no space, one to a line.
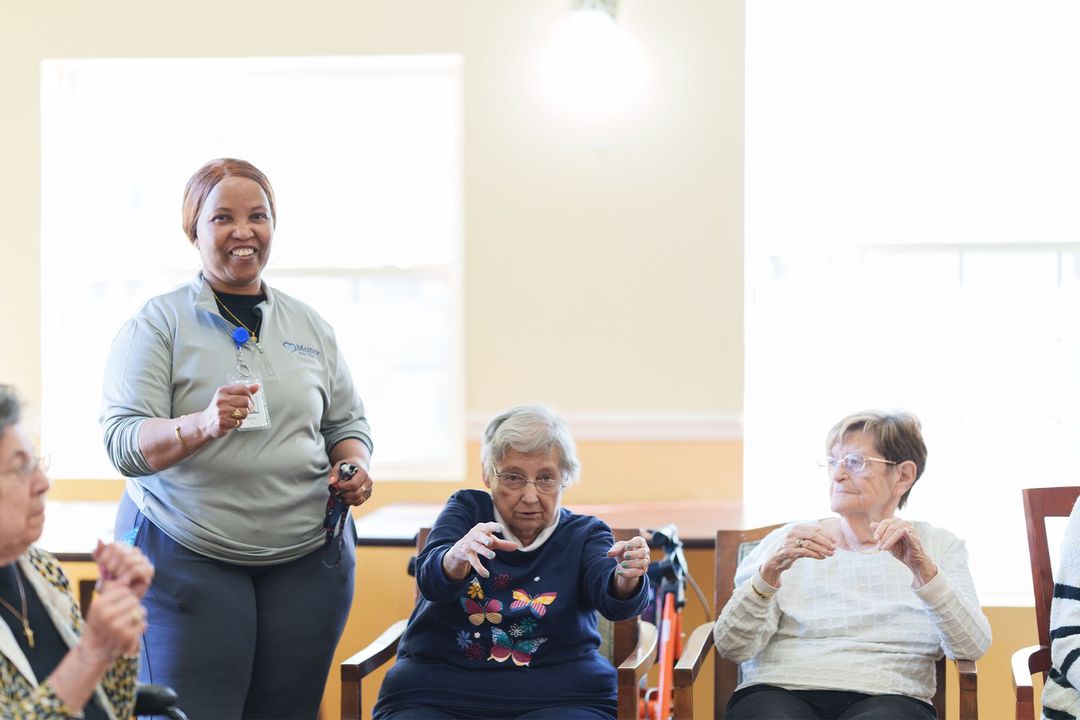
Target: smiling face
(22,494)
(525,511)
(233,235)
(876,491)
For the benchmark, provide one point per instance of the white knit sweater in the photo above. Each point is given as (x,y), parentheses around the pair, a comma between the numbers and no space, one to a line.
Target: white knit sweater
(1060,698)
(852,622)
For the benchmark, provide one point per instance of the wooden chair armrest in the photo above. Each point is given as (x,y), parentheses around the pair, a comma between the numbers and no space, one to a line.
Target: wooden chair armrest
(1021,674)
(969,673)
(375,654)
(969,689)
(695,651)
(360,665)
(642,658)
(694,654)
(635,667)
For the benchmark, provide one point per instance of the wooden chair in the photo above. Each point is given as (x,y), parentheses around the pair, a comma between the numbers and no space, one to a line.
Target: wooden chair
(731,547)
(630,644)
(156,700)
(1039,504)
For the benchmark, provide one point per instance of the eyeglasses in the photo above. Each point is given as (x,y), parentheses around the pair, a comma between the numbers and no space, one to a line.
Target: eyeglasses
(24,471)
(853,462)
(545,484)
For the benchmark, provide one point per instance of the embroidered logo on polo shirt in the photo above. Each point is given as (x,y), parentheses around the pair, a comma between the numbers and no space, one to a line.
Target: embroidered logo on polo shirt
(298,349)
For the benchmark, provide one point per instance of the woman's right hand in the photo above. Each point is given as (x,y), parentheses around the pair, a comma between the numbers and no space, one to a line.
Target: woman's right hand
(124,564)
(479,542)
(802,541)
(228,408)
(115,623)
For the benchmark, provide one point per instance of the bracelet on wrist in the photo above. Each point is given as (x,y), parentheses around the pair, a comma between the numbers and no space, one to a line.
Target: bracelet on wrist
(179,436)
(763,596)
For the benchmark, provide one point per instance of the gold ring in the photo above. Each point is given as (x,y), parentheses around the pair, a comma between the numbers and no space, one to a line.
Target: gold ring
(136,617)
(237,414)
(799,542)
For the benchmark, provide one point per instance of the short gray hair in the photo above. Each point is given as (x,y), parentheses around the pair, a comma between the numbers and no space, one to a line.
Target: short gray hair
(10,408)
(897,435)
(530,429)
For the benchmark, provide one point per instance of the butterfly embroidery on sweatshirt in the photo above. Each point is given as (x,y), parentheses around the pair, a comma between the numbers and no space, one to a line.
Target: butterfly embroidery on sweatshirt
(490,611)
(538,605)
(520,652)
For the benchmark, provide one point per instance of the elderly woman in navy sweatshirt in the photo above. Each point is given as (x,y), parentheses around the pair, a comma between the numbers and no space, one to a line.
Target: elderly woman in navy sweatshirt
(511,583)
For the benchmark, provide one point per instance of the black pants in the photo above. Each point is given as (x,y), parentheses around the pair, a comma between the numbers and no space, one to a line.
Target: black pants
(758,702)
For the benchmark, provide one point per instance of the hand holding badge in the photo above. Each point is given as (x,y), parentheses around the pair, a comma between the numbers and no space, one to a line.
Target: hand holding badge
(256,416)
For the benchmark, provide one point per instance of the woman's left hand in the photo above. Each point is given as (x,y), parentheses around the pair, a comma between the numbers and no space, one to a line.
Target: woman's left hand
(899,538)
(124,564)
(633,557)
(357,489)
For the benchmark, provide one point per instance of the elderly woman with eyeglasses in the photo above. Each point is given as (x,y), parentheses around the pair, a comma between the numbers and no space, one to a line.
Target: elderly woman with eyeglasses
(845,616)
(510,584)
(52,663)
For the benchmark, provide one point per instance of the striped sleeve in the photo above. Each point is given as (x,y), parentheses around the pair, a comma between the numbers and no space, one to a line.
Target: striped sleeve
(1061,697)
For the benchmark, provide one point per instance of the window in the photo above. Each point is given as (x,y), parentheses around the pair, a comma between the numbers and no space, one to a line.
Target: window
(365,158)
(912,242)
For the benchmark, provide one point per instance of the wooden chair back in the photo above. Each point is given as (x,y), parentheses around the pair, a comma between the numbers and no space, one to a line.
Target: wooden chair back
(732,546)
(1039,504)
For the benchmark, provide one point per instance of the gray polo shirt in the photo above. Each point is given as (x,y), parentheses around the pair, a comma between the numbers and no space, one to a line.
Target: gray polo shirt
(253,497)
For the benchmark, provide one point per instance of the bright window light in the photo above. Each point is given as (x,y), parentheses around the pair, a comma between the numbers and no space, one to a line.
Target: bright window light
(912,242)
(365,155)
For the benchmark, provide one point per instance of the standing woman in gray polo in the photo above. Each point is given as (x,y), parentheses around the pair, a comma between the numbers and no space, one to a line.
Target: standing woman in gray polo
(230,409)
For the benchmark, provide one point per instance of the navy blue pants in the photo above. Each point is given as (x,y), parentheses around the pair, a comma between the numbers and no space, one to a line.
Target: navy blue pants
(238,641)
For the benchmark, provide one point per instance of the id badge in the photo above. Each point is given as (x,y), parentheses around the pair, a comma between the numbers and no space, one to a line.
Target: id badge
(259,416)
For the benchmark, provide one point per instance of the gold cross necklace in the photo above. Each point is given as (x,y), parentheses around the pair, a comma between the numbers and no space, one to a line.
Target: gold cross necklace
(23,616)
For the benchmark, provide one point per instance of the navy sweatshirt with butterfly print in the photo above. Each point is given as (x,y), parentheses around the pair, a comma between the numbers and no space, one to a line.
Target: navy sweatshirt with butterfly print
(521,640)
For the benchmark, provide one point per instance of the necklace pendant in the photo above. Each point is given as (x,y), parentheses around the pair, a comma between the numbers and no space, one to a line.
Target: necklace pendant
(28,633)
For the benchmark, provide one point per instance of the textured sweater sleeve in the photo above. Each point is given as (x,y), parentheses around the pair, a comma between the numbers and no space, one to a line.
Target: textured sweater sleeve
(952,605)
(138,385)
(748,620)
(597,571)
(459,515)
(1061,697)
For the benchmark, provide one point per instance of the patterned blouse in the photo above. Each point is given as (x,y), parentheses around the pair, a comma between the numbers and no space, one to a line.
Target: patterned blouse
(21,695)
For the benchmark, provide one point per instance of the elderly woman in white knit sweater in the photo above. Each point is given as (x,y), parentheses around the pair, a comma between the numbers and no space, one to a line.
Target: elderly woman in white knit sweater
(845,616)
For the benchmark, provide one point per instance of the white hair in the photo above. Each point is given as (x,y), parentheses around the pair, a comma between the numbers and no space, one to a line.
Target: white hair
(530,430)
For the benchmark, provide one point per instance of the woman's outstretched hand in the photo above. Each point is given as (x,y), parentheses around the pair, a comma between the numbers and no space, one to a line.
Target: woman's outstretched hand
(479,542)
(633,557)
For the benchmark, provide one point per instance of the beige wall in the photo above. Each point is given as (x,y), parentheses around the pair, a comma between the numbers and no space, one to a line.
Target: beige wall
(624,265)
